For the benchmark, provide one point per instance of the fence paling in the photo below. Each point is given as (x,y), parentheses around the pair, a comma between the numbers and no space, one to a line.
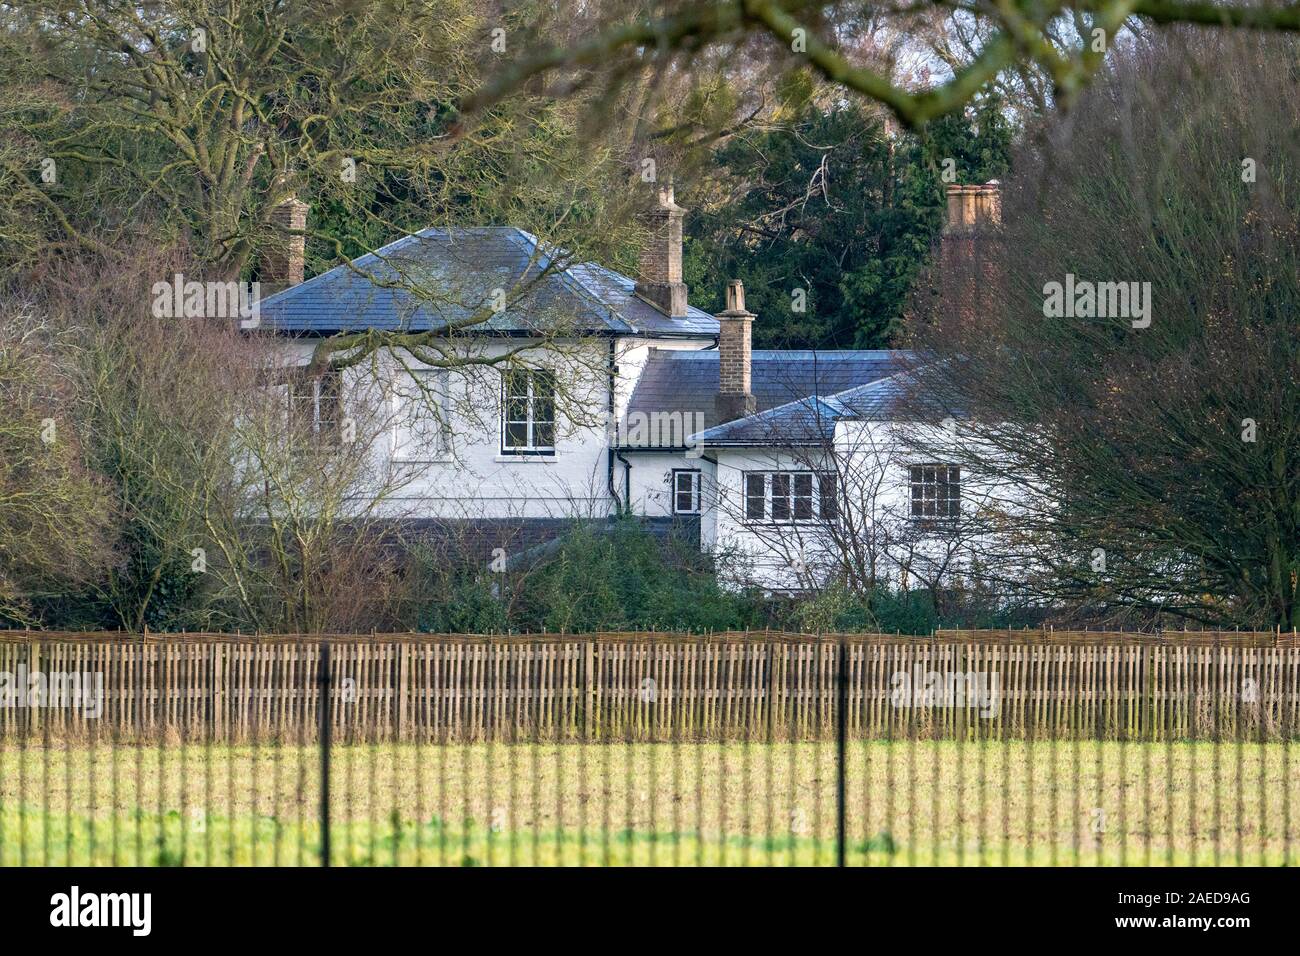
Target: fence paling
(634,687)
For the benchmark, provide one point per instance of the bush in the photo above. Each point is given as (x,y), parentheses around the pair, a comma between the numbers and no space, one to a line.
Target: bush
(621,577)
(599,578)
(914,611)
(471,605)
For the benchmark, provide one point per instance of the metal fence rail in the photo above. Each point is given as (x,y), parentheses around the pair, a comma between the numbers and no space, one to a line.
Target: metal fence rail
(997,747)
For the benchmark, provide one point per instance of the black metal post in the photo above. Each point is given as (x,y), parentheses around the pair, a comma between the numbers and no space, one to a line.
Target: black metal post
(323,685)
(841,747)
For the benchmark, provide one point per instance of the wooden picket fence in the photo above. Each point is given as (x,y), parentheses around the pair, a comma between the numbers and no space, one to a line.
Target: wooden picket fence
(754,686)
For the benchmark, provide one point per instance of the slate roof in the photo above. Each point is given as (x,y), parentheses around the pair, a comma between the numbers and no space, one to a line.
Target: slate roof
(811,421)
(439,277)
(687,382)
(807,421)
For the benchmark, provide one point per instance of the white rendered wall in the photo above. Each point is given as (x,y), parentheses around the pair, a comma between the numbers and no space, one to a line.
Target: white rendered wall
(475,479)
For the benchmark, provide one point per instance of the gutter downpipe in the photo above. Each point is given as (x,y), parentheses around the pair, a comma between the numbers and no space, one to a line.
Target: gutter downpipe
(612,425)
(627,481)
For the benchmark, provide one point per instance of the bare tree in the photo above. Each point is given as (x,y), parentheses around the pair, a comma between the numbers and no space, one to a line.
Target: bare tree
(56,517)
(820,34)
(191,122)
(232,494)
(1136,376)
(300,530)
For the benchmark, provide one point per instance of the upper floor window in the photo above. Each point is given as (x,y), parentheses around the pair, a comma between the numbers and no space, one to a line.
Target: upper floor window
(936,491)
(315,408)
(686,491)
(419,414)
(528,413)
(791,496)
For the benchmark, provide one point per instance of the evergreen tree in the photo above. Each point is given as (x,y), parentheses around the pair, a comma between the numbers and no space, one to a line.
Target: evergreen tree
(829,219)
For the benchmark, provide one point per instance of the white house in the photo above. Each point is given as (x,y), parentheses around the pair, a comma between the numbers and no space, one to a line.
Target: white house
(573,391)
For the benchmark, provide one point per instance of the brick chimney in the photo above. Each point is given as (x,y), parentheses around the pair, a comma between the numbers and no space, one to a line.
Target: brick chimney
(282,259)
(967,258)
(735,398)
(660,283)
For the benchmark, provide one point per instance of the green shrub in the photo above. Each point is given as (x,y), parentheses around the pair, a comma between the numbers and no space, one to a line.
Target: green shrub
(468,605)
(598,578)
(621,577)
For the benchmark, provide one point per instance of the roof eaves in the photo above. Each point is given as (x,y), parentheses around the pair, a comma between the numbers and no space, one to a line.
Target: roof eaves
(764,443)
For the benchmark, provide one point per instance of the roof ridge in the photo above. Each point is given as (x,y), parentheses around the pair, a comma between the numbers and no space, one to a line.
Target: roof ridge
(373,255)
(624,277)
(834,405)
(765,413)
(598,297)
(575,284)
(836,396)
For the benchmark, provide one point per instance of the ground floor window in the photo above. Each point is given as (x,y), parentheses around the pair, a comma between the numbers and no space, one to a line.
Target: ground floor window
(936,491)
(528,420)
(686,491)
(315,406)
(791,496)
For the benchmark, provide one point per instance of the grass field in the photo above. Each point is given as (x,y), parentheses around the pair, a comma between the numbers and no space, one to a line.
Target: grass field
(1059,803)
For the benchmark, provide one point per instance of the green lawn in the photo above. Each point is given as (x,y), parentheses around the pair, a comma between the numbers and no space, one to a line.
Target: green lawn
(908,803)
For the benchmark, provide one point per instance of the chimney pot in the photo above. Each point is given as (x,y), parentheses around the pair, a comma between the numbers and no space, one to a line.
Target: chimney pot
(971,208)
(735,296)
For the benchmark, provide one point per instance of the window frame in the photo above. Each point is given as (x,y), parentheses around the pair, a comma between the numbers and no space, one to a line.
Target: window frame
(696,491)
(799,495)
(397,405)
(950,502)
(325,431)
(529,421)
